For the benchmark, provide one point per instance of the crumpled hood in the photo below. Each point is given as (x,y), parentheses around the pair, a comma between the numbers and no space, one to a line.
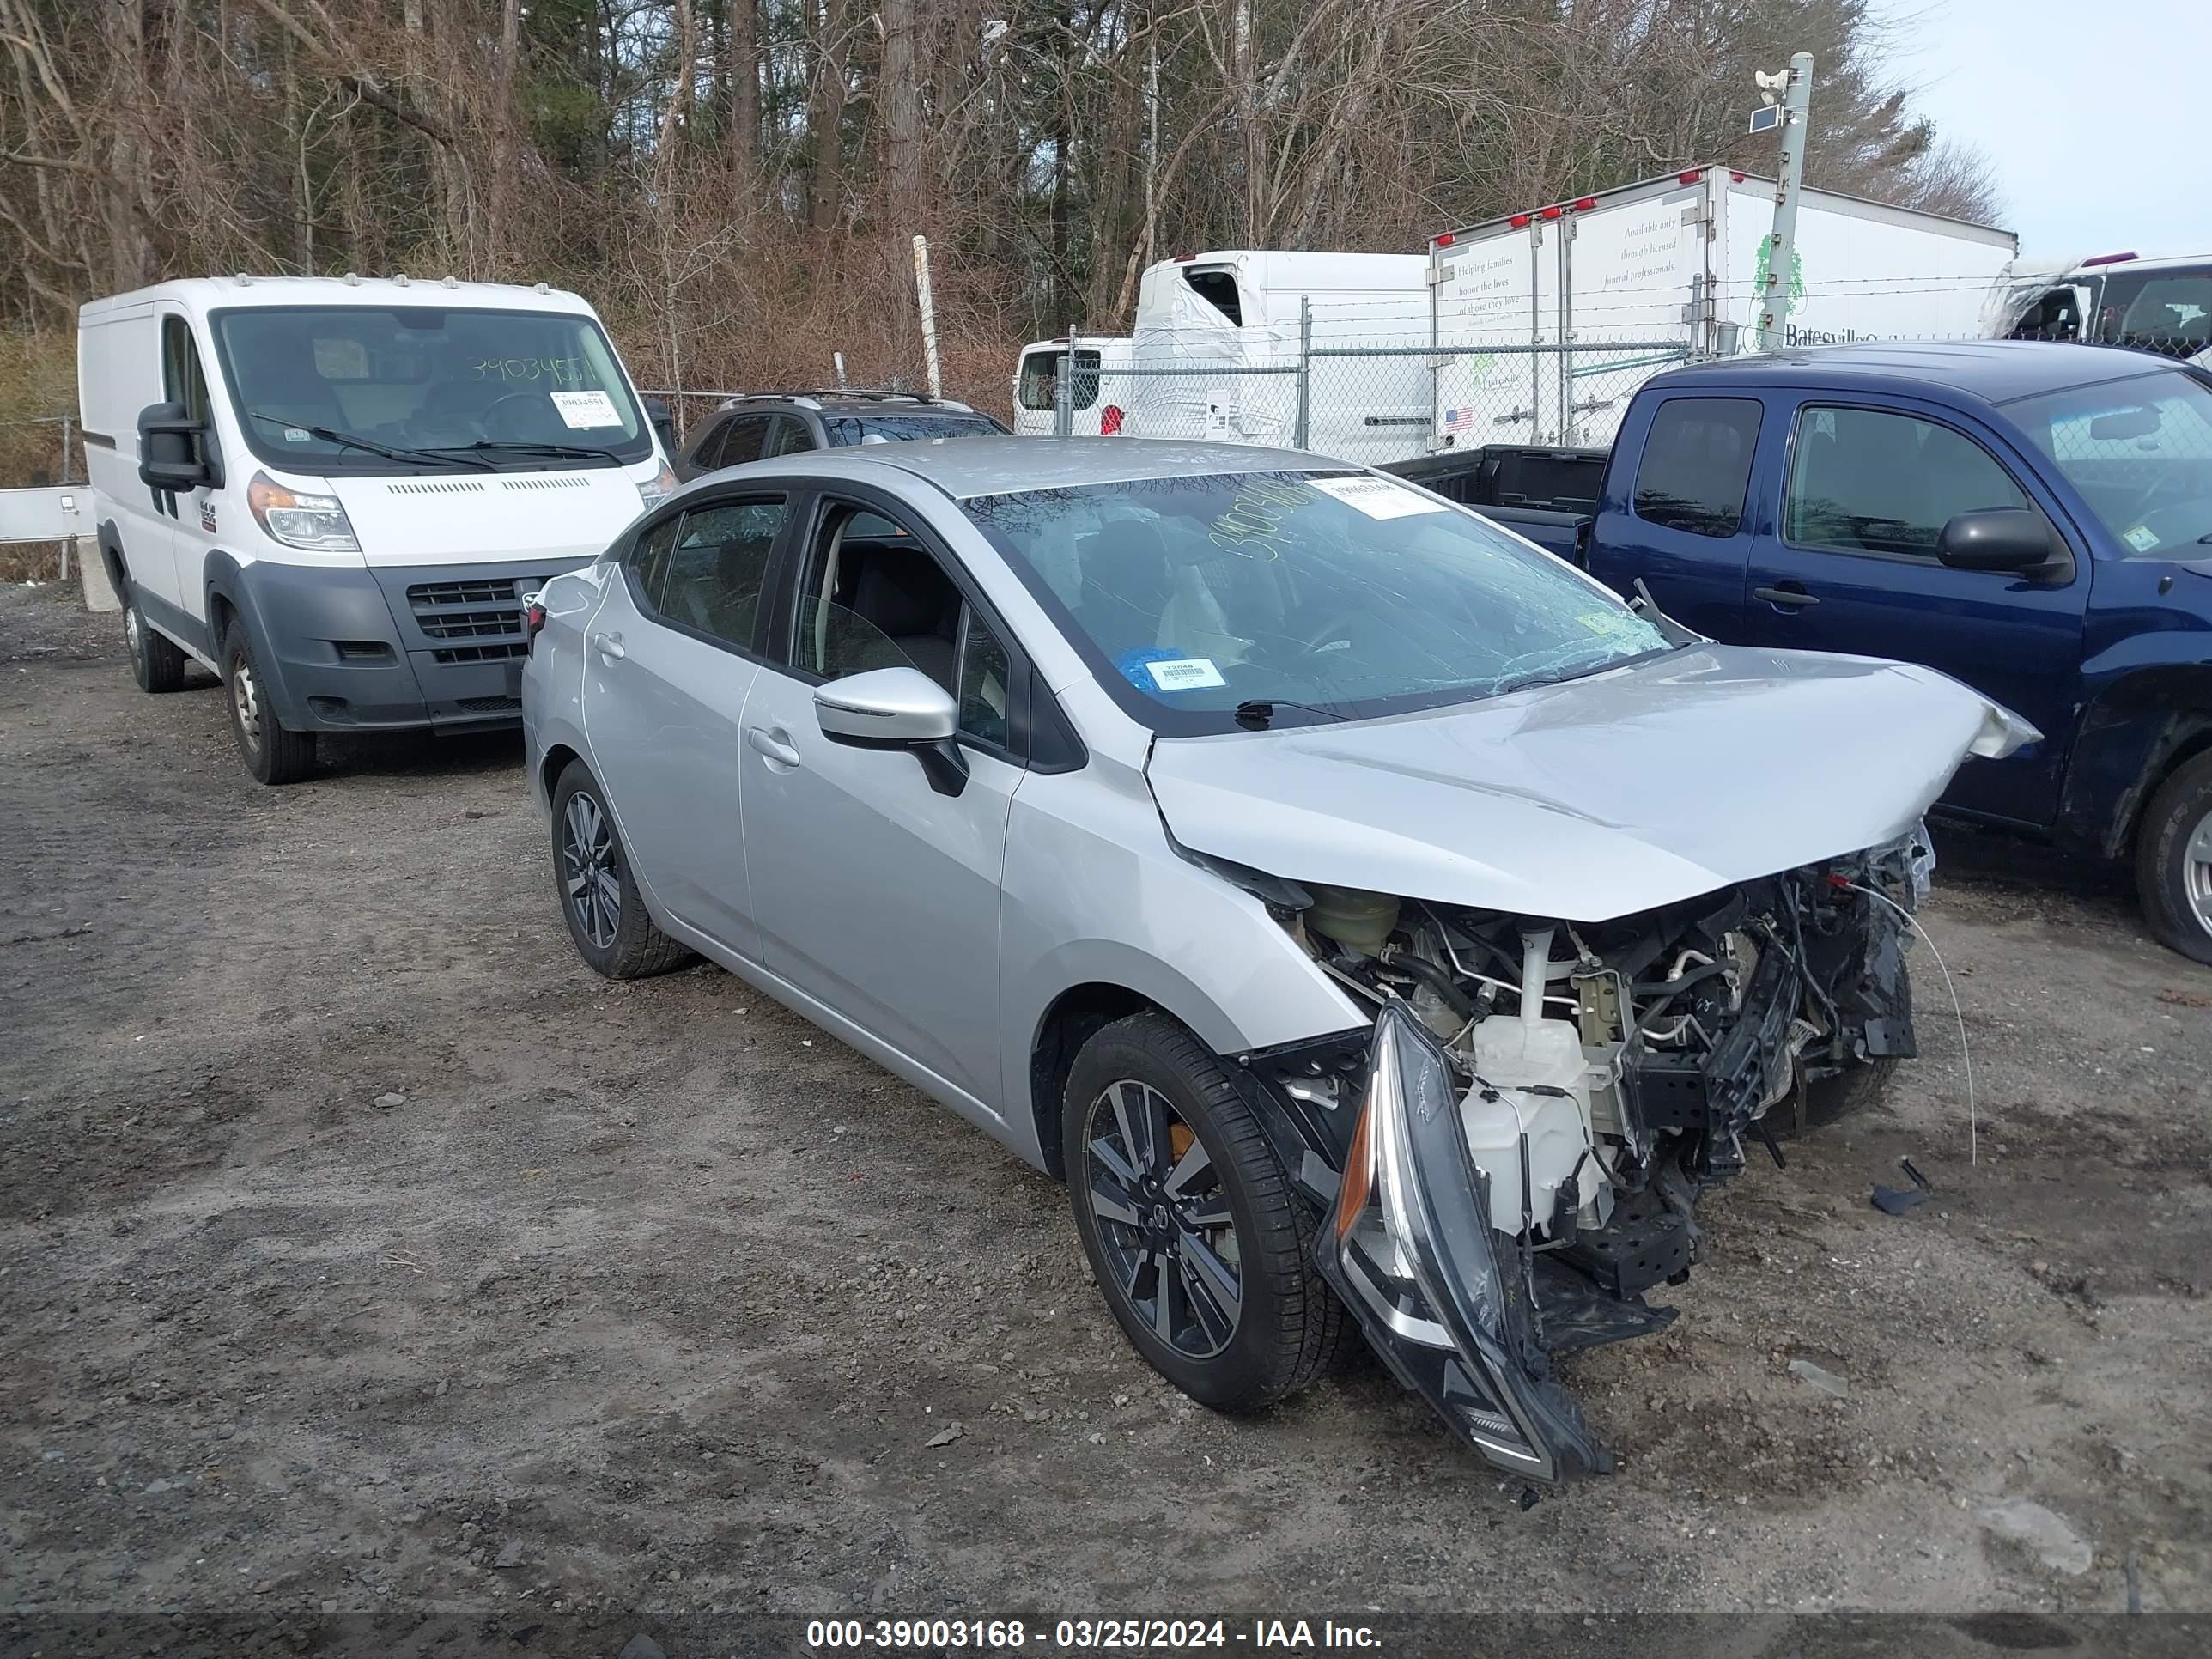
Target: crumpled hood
(1597,797)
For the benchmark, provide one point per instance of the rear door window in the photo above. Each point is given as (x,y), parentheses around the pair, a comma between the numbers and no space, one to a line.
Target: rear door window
(1874,481)
(745,439)
(791,437)
(1697,465)
(718,565)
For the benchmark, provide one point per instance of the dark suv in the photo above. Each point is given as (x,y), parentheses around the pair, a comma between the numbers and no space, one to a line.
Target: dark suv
(745,429)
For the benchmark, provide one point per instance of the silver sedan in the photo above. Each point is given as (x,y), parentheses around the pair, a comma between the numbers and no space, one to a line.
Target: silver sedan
(1376,922)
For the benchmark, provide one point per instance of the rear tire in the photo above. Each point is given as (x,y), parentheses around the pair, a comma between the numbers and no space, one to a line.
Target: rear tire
(1180,1201)
(599,901)
(272,752)
(157,662)
(2173,861)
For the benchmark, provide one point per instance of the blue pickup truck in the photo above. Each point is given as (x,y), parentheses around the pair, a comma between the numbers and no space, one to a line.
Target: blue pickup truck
(2033,519)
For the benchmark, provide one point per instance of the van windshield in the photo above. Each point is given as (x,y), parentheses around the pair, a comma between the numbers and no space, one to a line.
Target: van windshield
(1205,603)
(322,389)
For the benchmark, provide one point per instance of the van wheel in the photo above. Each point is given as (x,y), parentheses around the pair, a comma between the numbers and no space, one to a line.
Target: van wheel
(272,753)
(1200,1247)
(157,662)
(2173,861)
(599,899)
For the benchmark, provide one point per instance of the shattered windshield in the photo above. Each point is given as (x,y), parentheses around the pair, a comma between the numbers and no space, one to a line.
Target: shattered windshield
(2139,451)
(1321,596)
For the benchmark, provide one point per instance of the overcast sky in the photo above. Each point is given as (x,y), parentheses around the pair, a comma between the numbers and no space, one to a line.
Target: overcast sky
(2095,114)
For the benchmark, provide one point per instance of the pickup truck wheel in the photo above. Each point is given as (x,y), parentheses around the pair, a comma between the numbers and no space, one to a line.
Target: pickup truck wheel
(605,913)
(2173,861)
(1201,1248)
(272,752)
(157,662)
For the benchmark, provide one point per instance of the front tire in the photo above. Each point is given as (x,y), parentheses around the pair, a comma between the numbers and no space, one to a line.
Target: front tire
(2173,861)
(272,752)
(157,662)
(1201,1248)
(599,900)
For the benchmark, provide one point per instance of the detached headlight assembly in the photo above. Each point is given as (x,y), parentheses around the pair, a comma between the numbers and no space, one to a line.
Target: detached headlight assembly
(1409,1247)
(658,489)
(296,518)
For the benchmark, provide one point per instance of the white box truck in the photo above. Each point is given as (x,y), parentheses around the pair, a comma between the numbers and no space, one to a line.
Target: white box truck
(1589,298)
(340,493)
(1220,338)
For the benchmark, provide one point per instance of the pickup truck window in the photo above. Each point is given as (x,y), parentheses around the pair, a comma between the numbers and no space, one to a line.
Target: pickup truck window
(1696,463)
(1040,383)
(2140,452)
(2168,312)
(1869,480)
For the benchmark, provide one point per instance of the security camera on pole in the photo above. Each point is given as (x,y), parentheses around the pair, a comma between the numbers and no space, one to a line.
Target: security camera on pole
(1786,117)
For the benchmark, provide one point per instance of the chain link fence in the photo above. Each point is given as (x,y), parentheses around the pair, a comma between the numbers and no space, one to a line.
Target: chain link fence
(1367,401)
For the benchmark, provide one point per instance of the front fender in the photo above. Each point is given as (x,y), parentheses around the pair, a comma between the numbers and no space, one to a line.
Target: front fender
(2130,737)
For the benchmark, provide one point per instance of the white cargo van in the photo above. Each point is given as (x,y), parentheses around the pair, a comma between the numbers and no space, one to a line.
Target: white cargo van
(1582,292)
(338,493)
(1101,363)
(1220,338)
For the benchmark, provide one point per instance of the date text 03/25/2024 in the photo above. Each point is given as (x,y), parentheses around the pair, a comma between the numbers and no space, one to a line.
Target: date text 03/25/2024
(1087,1635)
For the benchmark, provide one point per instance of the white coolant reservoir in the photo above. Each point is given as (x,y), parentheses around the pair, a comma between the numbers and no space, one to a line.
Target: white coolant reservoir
(1539,1080)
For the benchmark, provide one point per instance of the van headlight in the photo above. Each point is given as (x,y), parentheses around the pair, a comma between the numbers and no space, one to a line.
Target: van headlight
(661,487)
(299,520)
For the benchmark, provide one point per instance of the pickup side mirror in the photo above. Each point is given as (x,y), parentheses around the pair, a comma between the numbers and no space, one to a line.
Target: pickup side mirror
(2016,539)
(896,709)
(172,451)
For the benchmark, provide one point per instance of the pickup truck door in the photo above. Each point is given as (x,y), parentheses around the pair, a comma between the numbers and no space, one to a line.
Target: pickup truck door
(1846,562)
(1679,522)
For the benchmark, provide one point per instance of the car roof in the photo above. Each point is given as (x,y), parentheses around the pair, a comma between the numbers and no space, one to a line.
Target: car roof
(850,403)
(995,466)
(1993,371)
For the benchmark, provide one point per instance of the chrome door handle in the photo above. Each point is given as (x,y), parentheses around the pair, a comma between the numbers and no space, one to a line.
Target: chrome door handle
(608,645)
(772,745)
(1796,599)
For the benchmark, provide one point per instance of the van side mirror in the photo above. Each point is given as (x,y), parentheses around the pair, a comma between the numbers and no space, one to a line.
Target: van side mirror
(657,416)
(172,449)
(2016,539)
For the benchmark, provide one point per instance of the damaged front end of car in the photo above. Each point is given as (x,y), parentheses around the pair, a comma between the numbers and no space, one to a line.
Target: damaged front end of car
(1521,1147)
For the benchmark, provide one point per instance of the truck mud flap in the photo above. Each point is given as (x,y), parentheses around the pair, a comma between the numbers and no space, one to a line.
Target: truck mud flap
(1445,1300)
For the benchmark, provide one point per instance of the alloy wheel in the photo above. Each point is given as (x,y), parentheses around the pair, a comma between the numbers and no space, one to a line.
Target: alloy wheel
(2196,873)
(1164,1218)
(589,870)
(246,699)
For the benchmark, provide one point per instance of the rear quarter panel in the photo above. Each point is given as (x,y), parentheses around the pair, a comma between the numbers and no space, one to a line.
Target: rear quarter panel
(553,677)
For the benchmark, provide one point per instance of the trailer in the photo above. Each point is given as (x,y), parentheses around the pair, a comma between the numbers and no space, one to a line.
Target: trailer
(1545,322)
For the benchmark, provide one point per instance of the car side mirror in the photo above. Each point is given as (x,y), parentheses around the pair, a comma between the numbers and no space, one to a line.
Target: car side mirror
(2015,540)
(657,416)
(896,709)
(170,449)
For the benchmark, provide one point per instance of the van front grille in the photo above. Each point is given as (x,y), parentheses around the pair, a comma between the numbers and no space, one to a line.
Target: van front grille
(485,609)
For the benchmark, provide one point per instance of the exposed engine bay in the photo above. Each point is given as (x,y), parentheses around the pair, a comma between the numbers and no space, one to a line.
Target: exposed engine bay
(1526,1135)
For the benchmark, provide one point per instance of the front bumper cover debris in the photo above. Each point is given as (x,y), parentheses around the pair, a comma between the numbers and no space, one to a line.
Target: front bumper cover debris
(1409,1247)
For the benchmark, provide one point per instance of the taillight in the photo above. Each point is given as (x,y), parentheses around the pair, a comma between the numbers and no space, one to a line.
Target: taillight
(1109,421)
(1522,221)
(533,618)
(1446,240)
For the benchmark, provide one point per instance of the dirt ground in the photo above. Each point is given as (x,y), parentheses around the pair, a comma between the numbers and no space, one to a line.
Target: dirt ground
(648,1303)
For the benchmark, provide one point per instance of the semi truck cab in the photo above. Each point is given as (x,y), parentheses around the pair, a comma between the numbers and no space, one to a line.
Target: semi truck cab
(339,493)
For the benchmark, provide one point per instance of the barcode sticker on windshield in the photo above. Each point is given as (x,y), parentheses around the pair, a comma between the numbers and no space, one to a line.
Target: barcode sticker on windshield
(1378,498)
(1185,674)
(584,408)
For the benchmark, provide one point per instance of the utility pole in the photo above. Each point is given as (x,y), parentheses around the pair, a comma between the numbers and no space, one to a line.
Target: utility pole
(1782,247)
